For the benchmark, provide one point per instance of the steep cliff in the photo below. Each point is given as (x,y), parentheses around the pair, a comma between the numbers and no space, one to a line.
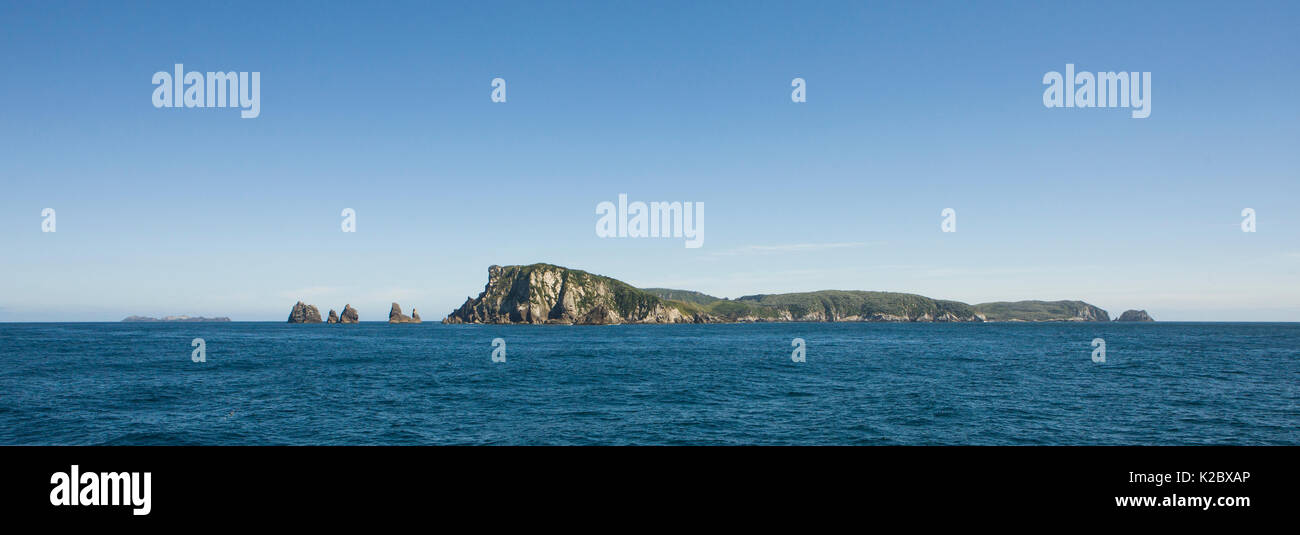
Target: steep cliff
(543,293)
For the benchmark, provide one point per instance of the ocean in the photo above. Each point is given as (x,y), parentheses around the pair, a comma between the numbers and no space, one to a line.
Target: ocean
(860,384)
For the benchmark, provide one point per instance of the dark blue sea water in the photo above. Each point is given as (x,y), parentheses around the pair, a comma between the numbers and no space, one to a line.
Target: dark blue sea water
(862,383)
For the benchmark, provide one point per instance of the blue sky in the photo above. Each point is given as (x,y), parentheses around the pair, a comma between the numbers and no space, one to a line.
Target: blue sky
(912,107)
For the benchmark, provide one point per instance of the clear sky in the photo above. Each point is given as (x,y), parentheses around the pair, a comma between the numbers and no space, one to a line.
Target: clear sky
(912,107)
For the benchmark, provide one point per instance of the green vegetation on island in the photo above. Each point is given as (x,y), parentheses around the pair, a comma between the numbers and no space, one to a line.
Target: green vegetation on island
(550,294)
(1041,311)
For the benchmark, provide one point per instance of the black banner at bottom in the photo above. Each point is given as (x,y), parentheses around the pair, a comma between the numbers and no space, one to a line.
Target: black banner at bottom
(160,485)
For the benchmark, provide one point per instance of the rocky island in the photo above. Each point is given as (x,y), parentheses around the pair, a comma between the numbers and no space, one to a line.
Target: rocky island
(304,313)
(395,315)
(349,315)
(548,294)
(1135,315)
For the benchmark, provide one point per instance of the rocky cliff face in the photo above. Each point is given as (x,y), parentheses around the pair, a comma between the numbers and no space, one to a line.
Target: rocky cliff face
(395,315)
(349,315)
(1090,313)
(304,313)
(334,317)
(1134,315)
(543,293)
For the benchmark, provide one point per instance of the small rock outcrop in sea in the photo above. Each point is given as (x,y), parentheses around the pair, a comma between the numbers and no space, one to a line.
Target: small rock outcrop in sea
(334,317)
(1135,315)
(395,315)
(349,315)
(304,313)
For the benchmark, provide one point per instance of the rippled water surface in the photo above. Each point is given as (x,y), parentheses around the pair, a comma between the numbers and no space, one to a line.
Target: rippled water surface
(373,383)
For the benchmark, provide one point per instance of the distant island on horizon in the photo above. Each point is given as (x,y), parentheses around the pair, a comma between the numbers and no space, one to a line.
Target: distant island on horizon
(181,318)
(546,294)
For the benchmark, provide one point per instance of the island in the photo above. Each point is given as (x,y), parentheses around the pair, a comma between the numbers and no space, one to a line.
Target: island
(1135,315)
(349,315)
(181,318)
(548,294)
(395,315)
(305,313)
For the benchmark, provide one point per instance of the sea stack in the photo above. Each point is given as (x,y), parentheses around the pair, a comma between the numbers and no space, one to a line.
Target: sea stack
(334,317)
(395,315)
(304,313)
(1135,315)
(349,315)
